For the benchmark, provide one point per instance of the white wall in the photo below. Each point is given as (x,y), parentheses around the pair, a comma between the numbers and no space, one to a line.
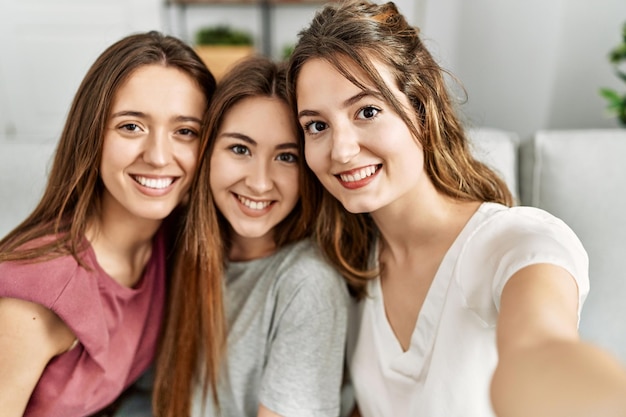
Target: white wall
(526,65)
(529,65)
(46,48)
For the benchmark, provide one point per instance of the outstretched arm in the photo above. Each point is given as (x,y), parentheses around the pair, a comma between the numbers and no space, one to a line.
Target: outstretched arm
(30,335)
(544,369)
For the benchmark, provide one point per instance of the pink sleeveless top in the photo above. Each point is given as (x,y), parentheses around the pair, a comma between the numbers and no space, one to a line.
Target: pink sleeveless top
(116,327)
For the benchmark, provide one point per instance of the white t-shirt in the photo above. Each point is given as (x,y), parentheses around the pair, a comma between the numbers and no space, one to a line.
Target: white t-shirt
(448,367)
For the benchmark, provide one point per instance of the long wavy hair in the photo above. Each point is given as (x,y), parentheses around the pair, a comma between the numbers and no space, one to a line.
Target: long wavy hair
(195,336)
(73,194)
(360,33)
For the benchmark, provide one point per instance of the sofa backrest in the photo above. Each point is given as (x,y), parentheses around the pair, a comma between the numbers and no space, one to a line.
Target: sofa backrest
(498,149)
(580,177)
(23,173)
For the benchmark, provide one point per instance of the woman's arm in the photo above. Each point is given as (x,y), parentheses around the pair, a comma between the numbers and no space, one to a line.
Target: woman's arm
(544,369)
(30,335)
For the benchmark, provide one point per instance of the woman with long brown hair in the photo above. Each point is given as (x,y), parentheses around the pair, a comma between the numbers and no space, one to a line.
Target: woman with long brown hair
(469,307)
(82,279)
(284,316)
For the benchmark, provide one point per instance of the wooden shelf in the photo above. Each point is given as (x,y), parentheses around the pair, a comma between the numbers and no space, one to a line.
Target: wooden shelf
(264,5)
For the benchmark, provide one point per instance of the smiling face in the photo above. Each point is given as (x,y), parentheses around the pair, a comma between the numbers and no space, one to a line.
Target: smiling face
(355,143)
(151,143)
(254,170)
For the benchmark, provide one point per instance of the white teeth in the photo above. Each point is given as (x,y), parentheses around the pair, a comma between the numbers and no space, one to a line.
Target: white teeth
(359,175)
(254,205)
(156,183)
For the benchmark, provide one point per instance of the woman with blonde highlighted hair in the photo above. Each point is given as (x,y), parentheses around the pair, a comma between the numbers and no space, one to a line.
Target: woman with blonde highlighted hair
(468,306)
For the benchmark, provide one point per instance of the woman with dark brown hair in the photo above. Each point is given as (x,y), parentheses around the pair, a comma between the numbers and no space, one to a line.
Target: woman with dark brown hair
(468,307)
(285,308)
(82,279)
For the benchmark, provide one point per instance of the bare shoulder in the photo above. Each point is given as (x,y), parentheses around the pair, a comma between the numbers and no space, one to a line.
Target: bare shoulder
(24,323)
(30,335)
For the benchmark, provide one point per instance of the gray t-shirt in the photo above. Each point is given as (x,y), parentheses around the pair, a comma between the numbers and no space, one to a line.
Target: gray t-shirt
(287,321)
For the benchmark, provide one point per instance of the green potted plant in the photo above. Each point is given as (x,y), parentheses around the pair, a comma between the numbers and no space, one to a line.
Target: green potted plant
(287,51)
(221,46)
(617,102)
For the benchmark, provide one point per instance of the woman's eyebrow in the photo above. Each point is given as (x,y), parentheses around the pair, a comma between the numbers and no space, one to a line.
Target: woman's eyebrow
(346,103)
(287,145)
(132,113)
(188,119)
(358,97)
(240,136)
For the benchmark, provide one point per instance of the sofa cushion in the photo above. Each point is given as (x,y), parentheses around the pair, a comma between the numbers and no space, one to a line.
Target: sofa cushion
(580,176)
(498,150)
(23,172)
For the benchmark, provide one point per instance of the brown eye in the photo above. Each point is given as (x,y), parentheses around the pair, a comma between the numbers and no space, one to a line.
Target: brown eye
(314,127)
(368,112)
(130,127)
(287,157)
(240,150)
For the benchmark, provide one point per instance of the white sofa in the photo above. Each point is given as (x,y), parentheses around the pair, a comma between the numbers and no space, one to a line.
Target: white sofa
(580,176)
(576,175)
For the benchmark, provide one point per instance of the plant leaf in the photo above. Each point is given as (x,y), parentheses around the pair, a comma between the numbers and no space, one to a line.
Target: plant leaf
(616,103)
(618,54)
(610,95)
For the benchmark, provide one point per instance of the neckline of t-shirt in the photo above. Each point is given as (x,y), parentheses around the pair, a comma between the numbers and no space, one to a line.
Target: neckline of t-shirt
(109,282)
(432,308)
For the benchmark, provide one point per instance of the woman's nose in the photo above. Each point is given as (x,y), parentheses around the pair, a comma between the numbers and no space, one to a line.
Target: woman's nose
(259,178)
(158,149)
(345,145)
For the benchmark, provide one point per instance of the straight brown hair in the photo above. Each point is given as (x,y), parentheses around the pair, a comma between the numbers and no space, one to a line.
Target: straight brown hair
(74,190)
(195,334)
